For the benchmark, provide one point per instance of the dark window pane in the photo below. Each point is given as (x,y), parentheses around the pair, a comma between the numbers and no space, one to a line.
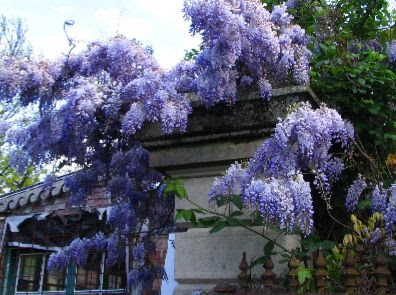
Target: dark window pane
(29,272)
(88,276)
(115,278)
(54,281)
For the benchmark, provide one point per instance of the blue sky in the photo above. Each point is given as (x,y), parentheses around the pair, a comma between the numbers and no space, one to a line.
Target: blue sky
(157,23)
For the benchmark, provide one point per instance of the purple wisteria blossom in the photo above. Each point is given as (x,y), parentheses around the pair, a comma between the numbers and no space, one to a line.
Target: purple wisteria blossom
(286,203)
(391,51)
(58,261)
(228,184)
(390,214)
(379,199)
(272,182)
(354,193)
(391,246)
(243,37)
(376,236)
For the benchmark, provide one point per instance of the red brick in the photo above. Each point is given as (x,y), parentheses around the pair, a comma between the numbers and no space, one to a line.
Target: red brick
(162,244)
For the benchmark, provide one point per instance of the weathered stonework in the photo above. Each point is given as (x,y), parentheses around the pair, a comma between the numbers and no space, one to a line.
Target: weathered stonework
(214,139)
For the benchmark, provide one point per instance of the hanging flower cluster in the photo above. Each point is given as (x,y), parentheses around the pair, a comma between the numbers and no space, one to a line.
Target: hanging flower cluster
(245,45)
(273,182)
(391,51)
(354,193)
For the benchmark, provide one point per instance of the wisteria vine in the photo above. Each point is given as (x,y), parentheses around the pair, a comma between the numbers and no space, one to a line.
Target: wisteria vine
(91,104)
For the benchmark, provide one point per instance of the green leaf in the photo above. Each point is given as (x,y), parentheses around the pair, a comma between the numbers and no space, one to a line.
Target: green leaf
(268,248)
(236,213)
(219,225)
(303,274)
(232,221)
(259,261)
(222,200)
(327,245)
(176,187)
(390,136)
(374,109)
(188,215)
(237,201)
(364,204)
(181,192)
(208,221)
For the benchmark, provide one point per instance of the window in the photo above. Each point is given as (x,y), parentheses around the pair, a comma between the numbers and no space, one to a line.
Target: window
(114,278)
(33,276)
(88,277)
(54,281)
(94,278)
(30,267)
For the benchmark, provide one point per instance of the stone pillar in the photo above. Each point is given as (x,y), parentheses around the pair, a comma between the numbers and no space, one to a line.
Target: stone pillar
(216,138)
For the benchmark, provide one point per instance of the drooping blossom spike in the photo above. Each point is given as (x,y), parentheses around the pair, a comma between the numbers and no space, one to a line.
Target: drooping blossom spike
(133,119)
(228,184)
(379,199)
(280,16)
(354,193)
(376,236)
(391,51)
(390,215)
(58,261)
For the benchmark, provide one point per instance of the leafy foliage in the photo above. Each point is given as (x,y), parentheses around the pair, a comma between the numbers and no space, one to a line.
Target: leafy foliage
(93,103)
(10,180)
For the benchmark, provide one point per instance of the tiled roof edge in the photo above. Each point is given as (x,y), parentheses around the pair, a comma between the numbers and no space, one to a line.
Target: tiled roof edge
(30,195)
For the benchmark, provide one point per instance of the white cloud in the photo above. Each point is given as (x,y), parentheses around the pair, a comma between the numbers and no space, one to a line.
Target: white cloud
(50,46)
(113,22)
(64,9)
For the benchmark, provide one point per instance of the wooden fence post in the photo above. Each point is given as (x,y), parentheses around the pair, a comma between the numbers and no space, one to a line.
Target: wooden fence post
(268,276)
(244,276)
(320,271)
(381,272)
(350,272)
(293,266)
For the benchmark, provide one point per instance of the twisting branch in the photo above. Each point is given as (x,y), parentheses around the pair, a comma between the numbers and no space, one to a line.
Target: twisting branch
(70,41)
(358,144)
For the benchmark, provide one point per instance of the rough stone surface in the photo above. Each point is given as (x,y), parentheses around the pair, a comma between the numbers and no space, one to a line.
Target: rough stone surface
(204,259)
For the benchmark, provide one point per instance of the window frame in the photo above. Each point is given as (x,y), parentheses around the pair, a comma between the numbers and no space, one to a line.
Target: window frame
(70,278)
(101,281)
(44,257)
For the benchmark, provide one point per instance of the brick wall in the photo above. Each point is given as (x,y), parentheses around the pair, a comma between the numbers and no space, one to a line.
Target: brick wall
(158,259)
